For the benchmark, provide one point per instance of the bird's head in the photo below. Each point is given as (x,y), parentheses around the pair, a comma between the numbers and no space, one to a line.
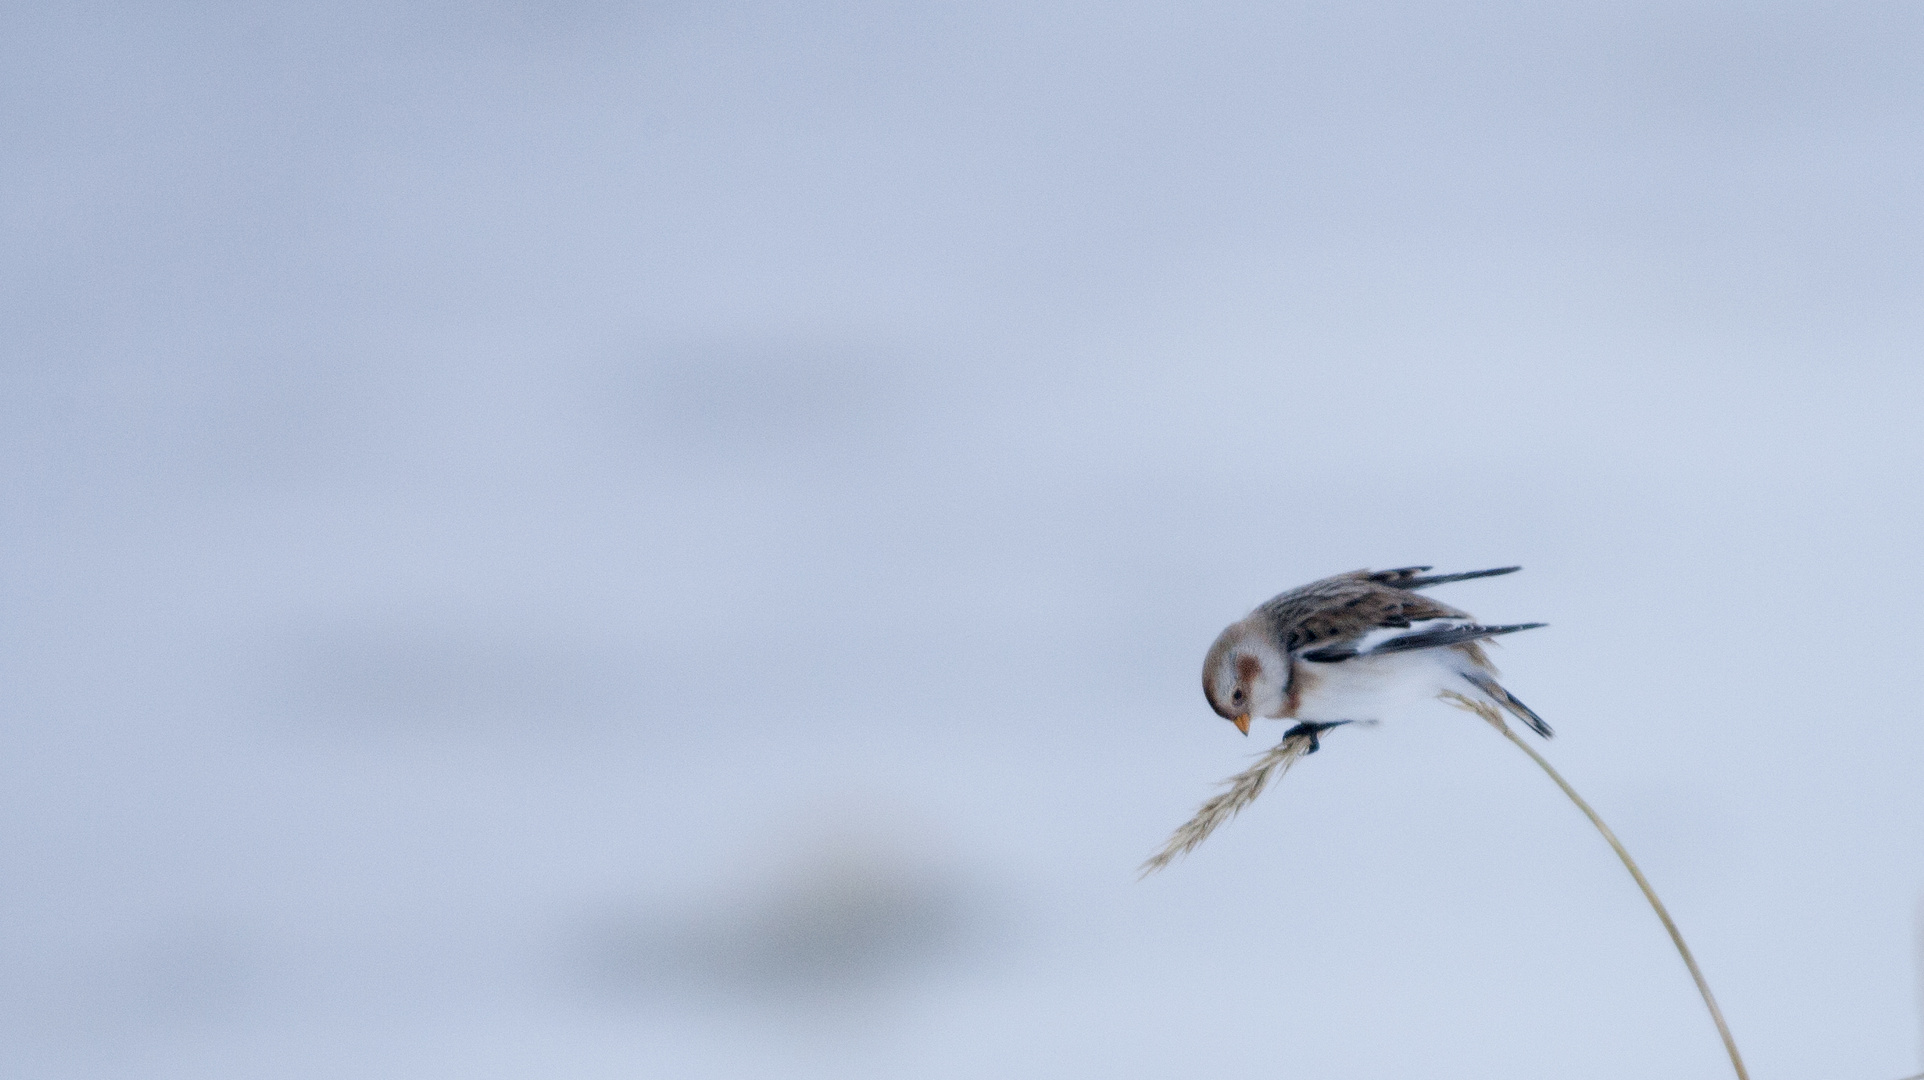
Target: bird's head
(1244,675)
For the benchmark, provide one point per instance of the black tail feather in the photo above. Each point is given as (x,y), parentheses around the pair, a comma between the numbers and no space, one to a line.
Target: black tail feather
(1509,701)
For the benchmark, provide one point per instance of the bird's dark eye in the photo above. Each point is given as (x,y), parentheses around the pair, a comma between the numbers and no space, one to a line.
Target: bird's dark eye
(1237,697)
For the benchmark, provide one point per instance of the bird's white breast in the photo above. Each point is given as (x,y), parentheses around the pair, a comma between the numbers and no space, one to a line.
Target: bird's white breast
(1376,687)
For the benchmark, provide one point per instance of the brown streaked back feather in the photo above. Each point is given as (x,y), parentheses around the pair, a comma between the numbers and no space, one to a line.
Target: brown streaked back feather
(1344,607)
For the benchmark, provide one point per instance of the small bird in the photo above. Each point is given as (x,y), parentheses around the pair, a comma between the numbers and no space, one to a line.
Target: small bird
(1354,647)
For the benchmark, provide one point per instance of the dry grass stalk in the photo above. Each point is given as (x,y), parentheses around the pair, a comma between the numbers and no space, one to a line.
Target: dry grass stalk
(1489,713)
(1238,791)
(1241,789)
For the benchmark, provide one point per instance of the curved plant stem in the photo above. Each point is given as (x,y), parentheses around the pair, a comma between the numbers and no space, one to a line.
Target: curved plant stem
(1488,713)
(1630,864)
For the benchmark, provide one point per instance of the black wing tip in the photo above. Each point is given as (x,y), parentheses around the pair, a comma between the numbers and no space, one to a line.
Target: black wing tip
(1422,639)
(1449,635)
(1413,577)
(1443,579)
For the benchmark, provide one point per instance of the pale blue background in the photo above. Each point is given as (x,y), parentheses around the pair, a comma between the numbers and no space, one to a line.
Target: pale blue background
(603,540)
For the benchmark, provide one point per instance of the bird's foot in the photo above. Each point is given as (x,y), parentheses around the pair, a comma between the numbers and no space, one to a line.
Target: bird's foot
(1313,729)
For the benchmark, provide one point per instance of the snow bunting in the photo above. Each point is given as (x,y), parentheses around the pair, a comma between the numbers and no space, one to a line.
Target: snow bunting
(1354,647)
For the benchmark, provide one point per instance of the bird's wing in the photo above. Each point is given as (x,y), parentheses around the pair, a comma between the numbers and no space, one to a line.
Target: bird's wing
(1373,612)
(1342,610)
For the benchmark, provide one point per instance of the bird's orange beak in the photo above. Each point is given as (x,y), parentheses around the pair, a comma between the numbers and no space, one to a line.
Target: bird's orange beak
(1242,723)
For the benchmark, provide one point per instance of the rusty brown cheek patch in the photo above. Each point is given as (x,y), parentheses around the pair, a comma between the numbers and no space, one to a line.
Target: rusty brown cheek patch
(1247,668)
